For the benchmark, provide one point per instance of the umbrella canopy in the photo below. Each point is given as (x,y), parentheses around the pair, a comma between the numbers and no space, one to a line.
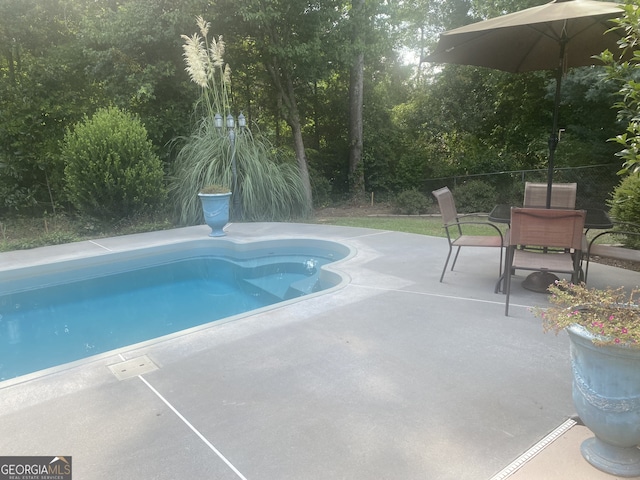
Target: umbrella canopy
(532,39)
(554,36)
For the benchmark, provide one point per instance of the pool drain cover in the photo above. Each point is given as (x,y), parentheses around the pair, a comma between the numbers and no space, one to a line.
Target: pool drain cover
(133,368)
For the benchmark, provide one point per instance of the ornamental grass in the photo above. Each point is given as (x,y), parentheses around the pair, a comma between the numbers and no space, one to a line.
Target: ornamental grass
(268,184)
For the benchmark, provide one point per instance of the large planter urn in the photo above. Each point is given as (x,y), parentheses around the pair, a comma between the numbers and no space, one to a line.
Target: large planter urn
(606,394)
(215,207)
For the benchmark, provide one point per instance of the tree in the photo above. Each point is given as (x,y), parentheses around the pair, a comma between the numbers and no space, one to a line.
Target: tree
(356,85)
(624,69)
(290,38)
(133,52)
(43,88)
(421,21)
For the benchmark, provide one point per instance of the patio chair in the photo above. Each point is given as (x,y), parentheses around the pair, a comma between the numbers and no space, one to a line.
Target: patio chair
(454,229)
(614,251)
(546,228)
(563,195)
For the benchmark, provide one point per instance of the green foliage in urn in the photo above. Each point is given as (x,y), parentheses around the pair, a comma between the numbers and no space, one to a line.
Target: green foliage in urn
(214,190)
(611,315)
(111,168)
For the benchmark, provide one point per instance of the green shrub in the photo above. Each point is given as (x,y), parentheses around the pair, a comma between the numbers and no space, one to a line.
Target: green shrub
(625,205)
(412,202)
(321,188)
(475,196)
(111,170)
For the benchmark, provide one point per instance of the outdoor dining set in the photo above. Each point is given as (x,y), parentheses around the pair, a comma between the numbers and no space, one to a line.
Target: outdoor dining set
(547,233)
(544,236)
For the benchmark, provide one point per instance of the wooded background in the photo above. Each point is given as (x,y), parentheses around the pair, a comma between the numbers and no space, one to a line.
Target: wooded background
(340,84)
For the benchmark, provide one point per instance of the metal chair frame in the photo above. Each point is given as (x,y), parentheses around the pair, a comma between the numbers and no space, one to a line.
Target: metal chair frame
(617,252)
(454,228)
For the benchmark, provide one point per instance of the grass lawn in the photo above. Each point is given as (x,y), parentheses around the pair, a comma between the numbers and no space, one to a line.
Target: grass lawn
(425,225)
(21,233)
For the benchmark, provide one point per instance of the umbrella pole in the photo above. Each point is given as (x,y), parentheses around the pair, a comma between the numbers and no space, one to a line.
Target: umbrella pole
(553,138)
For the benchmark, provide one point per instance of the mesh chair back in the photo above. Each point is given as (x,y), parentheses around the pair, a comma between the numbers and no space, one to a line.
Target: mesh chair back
(547,227)
(563,195)
(447,205)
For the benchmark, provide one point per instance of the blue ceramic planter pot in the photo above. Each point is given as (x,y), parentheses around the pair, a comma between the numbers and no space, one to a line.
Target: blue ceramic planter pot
(215,207)
(606,394)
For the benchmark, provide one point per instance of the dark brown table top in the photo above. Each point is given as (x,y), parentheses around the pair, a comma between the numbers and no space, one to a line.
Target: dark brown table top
(595,218)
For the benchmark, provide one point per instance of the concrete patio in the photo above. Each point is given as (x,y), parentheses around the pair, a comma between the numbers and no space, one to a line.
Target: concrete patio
(392,375)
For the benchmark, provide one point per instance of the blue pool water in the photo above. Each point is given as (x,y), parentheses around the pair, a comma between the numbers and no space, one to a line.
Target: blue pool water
(74,311)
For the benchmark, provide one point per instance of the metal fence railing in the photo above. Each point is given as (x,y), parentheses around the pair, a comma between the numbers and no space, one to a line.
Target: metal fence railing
(595,183)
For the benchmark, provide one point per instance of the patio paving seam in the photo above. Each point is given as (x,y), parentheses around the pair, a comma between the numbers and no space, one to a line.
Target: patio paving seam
(193,428)
(100,245)
(441,295)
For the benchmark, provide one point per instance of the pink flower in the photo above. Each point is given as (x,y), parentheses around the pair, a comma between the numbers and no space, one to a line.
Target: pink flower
(624,330)
(611,318)
(617,340)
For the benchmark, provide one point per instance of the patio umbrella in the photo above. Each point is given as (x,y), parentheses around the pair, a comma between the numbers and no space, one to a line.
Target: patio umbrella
(555,36)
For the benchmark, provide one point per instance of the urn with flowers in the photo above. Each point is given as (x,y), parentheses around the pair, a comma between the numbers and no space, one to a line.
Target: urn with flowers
(604,333)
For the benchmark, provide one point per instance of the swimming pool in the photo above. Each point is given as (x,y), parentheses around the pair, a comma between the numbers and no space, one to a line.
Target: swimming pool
(59,312)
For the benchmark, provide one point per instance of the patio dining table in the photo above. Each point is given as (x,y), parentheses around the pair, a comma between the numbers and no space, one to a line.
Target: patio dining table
(595,217)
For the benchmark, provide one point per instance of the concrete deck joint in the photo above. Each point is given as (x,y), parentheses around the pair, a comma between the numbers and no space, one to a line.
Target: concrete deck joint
(193,429)
(100,245)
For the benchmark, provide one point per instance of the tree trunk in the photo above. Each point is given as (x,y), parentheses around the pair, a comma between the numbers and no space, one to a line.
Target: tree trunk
(10,63)
(286,92)
(316,116)
(301,157)
(356,86)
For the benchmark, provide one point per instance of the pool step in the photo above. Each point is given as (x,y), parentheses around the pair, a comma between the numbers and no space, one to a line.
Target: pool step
(304,286)
(271,285)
